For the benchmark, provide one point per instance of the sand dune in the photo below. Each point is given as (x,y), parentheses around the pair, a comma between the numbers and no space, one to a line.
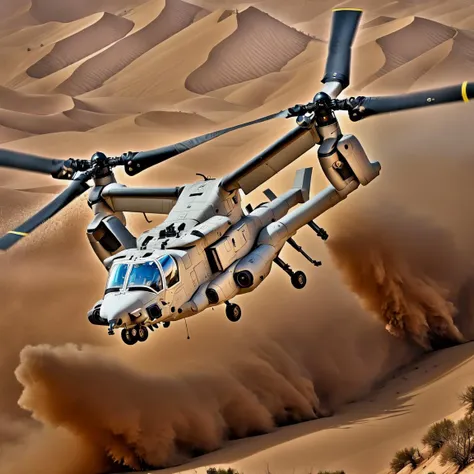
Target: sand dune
(458,66)
(293,13)
(467,23)
(409,43)
(34,103)
(172,120)
(380,20)
(10,134)
(91,119)
(122,105)
(39,125)
(10,7)
(403,77)
(247,54)
(57,10)
(401,8)
(444,11)
(107,30)
(161,123)
(22,50)
(165,59)
(459,17)
(95,72)
(16,16)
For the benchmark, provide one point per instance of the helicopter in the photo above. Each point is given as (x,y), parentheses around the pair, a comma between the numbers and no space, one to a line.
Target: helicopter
(209,249)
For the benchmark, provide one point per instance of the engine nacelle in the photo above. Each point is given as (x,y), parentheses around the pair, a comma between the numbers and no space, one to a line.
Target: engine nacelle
(109,236)
(199,302)
(351,149)
(223,288)
(254,268)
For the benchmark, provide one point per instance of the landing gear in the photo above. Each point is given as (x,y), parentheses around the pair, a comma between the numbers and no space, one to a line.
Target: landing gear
(233,312)
(142,335)
(130,336)
(134,335)
(298,279)
(166,324)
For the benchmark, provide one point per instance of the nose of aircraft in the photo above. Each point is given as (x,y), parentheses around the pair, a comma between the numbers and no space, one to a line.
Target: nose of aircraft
(116,306)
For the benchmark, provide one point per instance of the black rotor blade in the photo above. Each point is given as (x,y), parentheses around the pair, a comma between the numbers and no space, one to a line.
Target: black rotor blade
(368,106)
(145,159)
(345,22)
(74,190)
(27,162)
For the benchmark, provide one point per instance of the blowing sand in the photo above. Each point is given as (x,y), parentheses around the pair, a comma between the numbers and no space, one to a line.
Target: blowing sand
(397,276)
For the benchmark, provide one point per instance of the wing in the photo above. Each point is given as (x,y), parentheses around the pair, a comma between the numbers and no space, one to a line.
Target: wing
(272,160)
(149,200)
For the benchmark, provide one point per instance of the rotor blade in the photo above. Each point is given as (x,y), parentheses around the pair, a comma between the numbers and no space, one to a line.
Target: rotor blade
(27,162)
(74,190)
(145,159)
(345,22)
(367,106)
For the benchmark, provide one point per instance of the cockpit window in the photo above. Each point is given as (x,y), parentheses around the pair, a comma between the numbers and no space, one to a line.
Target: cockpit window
(145,274)
(117,275)
(170,270)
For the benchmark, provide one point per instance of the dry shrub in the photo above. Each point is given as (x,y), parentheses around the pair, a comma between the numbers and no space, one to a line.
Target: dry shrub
(467,399)
(458,450)
(439,434)
(405,457)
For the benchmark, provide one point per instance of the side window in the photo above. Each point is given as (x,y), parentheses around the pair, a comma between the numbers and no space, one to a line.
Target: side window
(170,270)
(116,276)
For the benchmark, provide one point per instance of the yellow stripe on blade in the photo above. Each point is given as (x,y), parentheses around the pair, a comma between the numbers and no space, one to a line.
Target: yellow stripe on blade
(465,97)
(348,10)
(22,234)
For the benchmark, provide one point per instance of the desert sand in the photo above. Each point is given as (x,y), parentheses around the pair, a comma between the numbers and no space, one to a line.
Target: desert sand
(119,75)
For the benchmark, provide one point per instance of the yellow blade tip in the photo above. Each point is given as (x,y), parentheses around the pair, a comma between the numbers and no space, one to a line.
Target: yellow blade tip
(22,234)
(465,97)
(348,10)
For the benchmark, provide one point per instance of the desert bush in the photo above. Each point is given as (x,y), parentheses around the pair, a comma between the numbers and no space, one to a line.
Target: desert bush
(331,472)
(229,470)
(459,449)
(467,399)
(438,434)
(405,457)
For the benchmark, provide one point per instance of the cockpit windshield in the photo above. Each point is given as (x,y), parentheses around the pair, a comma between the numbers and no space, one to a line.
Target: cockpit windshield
(117,275)
(145,274)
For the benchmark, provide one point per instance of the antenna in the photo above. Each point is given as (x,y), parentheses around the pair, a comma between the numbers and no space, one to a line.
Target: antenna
(187,330)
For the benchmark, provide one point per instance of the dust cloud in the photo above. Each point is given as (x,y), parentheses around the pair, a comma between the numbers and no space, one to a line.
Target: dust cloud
(290,359)
(81,402)
(406,270)
(77,401)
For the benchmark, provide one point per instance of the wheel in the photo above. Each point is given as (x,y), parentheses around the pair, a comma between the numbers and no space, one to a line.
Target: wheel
(128,337)
(142,335)
(233,312)
(298,280)
(166,324)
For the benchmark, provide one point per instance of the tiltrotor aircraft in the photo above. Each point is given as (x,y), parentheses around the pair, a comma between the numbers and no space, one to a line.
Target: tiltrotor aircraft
(208,250)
